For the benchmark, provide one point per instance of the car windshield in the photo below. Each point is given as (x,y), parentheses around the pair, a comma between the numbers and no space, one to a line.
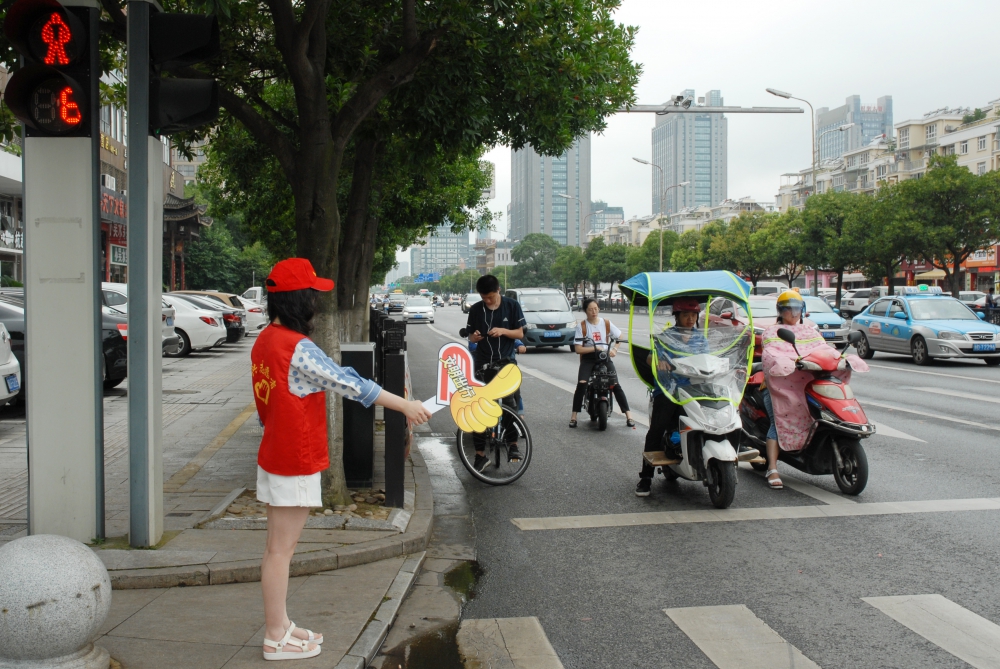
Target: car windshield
(948,309)
(815,305)
(544,302)
(970,297)
(198,302)
(418,302)
(472,298)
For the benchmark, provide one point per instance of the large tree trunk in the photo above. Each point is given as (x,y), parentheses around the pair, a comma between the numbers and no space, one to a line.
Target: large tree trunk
(840,285)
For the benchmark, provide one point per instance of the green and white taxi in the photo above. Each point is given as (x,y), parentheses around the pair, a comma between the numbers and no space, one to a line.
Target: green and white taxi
(926,326)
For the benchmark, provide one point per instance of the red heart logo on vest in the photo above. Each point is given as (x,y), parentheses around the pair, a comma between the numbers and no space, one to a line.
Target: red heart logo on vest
(263,390)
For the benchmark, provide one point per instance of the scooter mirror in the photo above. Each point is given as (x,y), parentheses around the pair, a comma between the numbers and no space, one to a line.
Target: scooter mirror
(786,335)
(853,338)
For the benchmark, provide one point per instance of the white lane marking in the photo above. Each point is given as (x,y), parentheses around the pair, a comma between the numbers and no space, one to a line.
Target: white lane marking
(518,643)
(734,638)
(953,393)
(969,637)
(547,378)
(798,485)
(884,430)
(924,371)
(932,415)
(764,513)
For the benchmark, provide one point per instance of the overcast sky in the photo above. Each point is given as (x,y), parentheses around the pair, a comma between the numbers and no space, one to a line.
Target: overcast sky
(924,53)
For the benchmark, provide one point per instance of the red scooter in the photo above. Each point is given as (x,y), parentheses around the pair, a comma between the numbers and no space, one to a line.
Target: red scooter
(839,423)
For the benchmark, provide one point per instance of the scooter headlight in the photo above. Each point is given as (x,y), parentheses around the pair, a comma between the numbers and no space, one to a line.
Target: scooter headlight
(830,390)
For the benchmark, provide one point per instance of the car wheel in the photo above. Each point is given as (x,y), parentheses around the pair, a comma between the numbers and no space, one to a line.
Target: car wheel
(184,348)
(112,383)
(918,351)
(992,362)
(864,349)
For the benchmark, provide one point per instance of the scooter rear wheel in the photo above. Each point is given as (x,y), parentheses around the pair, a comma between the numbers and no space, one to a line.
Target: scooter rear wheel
(602,415)
(853,476)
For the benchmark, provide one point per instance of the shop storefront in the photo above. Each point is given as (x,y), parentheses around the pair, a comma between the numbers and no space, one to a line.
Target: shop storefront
(981,270)
(11,240)
(114,235)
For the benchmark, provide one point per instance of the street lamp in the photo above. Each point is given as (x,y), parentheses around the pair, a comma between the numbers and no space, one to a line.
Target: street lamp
(827,132)
(579,232)
(599,211)
(663,199)
(812,120)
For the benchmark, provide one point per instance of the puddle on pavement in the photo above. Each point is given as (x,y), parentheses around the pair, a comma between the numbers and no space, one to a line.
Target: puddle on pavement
(438,649)
(462,579)
(435,650)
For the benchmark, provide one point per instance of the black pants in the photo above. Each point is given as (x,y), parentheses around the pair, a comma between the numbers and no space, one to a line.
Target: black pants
(479,439)
(587,362)
(663,418)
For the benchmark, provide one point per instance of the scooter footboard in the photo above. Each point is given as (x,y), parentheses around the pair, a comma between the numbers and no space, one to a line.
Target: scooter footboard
(718,450)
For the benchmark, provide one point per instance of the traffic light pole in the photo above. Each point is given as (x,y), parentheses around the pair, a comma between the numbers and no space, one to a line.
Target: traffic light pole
(63,383)
(145,231)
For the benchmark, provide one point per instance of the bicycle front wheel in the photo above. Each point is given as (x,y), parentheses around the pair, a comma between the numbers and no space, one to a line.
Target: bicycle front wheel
(505,464)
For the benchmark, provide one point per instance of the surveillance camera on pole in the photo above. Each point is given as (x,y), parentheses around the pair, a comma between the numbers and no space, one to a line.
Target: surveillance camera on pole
(55,95)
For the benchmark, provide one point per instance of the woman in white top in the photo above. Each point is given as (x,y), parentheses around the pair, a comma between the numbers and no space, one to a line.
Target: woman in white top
(599,332)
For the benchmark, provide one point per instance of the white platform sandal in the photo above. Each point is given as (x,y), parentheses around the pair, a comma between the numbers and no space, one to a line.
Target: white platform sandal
(313,637)
(775,484)
(288,640)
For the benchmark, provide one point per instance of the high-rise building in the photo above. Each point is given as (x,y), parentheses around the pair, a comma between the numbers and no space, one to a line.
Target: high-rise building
(870,121)
(537,186)
(439,251)
(693,148)
(607,216)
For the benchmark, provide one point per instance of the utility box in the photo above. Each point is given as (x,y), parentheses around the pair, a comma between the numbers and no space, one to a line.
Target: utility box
(359,422)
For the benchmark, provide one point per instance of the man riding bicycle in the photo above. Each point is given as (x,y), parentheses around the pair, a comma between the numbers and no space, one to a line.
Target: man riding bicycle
(494,324)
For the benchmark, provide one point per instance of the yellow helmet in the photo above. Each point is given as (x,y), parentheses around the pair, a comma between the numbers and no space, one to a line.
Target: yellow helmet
(790,299)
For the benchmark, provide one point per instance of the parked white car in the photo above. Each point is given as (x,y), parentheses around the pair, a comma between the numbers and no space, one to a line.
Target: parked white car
(198,328)
(115,296)
(256,315)
(10,370)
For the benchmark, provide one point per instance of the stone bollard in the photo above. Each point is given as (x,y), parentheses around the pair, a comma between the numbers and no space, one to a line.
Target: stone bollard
(54,596)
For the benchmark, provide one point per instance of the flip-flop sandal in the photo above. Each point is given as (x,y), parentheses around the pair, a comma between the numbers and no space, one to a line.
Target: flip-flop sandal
(774,483)
(572,423)
(288,640)
(313,637)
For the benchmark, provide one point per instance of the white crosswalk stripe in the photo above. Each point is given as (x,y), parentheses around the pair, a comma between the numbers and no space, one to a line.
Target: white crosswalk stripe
(969,637)
(734,638)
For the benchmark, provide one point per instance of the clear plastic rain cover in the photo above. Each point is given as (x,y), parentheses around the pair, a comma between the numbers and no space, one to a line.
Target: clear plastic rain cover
(703,363)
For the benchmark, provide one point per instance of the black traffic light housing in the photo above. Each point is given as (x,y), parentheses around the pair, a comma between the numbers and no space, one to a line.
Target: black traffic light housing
(54,91)
(175,41)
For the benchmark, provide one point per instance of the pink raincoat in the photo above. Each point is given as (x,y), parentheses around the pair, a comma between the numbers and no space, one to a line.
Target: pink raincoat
(787,385)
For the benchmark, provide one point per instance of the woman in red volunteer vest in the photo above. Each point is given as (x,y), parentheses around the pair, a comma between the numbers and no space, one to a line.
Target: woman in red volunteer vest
(290,378)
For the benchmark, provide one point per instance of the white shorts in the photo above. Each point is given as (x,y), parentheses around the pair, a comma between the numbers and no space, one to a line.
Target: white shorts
(289,490)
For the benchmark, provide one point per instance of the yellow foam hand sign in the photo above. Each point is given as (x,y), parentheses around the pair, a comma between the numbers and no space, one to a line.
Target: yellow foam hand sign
(475,409)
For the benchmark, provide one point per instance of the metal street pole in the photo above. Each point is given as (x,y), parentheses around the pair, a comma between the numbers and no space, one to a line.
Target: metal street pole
(812,122)
(145,226)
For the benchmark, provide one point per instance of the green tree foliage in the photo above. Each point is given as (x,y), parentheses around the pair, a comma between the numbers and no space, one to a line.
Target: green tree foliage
(609,264)
(827,220)
(785,239)
(884,235)
(954,213)
(570,267)
(744,246)
(594,248)
(461,282)
(215,262)
(534,255)
(646,258)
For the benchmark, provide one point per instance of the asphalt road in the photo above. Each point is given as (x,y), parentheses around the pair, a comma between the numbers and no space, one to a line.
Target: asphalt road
(600,593)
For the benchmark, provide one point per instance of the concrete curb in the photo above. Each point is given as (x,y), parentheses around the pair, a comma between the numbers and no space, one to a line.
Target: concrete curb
(413,540)
(370,640)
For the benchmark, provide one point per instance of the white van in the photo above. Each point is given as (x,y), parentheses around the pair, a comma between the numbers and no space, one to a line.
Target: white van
(255,293)
(769,288)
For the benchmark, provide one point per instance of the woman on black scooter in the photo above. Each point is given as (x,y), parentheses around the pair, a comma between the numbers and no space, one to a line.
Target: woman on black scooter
(599,332)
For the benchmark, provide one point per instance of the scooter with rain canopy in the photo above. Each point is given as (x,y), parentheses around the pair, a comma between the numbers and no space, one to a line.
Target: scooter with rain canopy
(703,369)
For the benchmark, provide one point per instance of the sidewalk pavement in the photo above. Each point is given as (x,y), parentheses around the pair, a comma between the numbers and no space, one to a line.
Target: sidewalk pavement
(210,440)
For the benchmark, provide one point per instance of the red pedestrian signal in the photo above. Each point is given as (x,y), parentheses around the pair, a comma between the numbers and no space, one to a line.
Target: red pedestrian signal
(52,93)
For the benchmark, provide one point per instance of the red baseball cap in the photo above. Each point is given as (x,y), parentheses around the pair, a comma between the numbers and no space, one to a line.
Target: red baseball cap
(686,304)
(295,274)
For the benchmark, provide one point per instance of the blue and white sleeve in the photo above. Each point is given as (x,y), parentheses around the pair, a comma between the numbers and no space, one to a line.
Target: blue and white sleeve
(313,371)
